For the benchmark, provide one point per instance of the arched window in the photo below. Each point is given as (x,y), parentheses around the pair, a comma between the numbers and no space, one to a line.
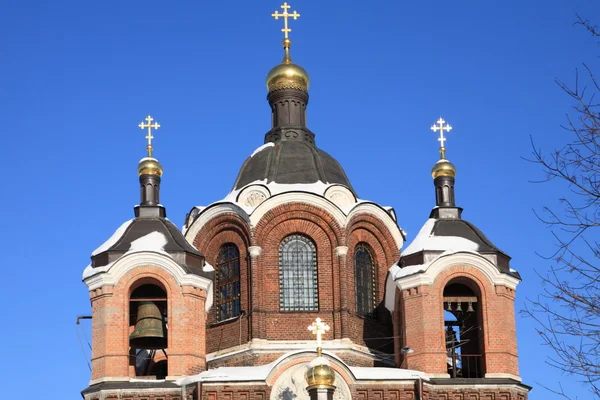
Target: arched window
(298,290)
(364,279)
(228,282)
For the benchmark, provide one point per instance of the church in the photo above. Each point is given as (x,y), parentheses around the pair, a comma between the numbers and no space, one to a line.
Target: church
(293,287)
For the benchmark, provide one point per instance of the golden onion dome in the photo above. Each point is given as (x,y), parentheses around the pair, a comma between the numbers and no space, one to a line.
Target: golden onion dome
(150,166)
(320,375)
(443,168)
(287,75)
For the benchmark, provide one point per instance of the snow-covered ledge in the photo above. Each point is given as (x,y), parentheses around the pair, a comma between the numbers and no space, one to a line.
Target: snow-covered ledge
(426,274)
(116,270)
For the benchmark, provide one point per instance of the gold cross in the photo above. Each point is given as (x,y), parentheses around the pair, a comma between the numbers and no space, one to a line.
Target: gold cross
(441,127)
(285,15)
(149,125)
(318,328)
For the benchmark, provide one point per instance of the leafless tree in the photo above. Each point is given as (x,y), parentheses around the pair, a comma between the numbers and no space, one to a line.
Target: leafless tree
(568,308)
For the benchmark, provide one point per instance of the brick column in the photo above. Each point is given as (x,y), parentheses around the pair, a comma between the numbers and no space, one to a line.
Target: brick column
(341,252)
(423,324)
(255,287)
(501,356)
(110,351)
(187,333)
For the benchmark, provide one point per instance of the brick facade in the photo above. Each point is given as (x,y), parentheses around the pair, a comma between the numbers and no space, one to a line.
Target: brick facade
(421,321)
(336,286)
(111,353)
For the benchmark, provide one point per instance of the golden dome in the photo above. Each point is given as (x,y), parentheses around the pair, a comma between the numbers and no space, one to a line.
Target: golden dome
(287,75)
(149,166)
(443,168)
(320,375)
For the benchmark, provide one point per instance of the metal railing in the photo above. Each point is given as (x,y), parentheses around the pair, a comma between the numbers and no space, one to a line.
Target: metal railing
(465,365)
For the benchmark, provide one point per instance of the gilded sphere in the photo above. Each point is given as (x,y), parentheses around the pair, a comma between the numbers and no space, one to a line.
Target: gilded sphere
(320,375)
(443,168)
(149,166)
(288,76)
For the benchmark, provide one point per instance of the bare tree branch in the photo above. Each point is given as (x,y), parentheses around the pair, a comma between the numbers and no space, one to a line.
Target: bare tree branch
(568,308)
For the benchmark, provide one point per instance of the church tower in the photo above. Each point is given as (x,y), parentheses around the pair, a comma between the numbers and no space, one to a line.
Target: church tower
(230,307)
(149,292)
(292,242)
(454,293)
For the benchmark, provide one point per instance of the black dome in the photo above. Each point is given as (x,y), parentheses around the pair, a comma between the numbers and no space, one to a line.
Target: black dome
(291,161)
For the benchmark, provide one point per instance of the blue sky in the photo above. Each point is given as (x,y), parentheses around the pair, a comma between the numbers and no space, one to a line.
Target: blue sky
(76,77)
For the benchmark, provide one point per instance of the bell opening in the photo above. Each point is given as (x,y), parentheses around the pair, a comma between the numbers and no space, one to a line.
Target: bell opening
(463,329)
(148,337)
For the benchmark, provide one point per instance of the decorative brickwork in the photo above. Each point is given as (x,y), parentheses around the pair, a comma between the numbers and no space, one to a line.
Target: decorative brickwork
(421,320)
(260,292)
(111,356)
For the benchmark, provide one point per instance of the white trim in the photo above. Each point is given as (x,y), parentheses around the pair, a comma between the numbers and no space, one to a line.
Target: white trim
(211,212)
(264,373)
(310,199)
(264,346)
(383,216)
(144,258)
(341,251)
(430,272)
(255,251)
(297,197)
(501,375)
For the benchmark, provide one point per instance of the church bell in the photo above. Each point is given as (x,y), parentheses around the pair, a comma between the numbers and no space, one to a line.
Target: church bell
(149,332)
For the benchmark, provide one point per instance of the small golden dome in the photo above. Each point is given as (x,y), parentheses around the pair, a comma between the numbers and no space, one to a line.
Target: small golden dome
(149,166)
(443,168)
(320,375)
(287,75)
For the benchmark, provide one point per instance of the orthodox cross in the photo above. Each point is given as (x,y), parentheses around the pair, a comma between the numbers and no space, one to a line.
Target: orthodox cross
(285,15)
(149,125)
(441,127)
(318,328)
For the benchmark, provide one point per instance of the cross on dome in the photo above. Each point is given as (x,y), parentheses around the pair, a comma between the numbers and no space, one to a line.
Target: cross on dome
(318,328)
(441,127)
(285,15)
(149,125)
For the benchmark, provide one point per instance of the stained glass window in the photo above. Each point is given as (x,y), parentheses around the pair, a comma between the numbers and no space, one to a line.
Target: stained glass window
(364,278)
(228,282)
(298,286)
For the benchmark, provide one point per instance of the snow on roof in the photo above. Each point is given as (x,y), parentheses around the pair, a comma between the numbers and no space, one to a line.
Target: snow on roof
(154,241)
(208,267)
(383,373)
(395,273)
(230,374)
(91,271)
(261,372)
(317,187)
(261,148)
(113,239)
(425,240)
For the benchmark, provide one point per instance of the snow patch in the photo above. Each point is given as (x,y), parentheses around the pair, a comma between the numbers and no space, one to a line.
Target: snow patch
(113,239)
(154,241)
(383,373)
(207,267)
(91,271)
(261,148)
(426,241)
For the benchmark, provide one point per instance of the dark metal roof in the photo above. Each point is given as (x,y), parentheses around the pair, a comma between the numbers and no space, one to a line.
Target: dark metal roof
(449,223)
(180,250)
(463,229)
(292,161)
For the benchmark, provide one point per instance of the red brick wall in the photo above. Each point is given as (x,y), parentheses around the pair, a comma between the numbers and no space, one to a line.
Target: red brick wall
(111,328)
(422,321)
(260,276)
